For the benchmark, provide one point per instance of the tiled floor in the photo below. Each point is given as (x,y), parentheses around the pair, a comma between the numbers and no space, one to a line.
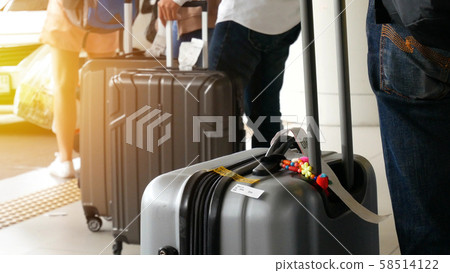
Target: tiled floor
(26,150)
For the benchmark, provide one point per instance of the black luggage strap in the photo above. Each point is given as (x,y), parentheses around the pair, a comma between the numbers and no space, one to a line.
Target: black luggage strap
(195,215)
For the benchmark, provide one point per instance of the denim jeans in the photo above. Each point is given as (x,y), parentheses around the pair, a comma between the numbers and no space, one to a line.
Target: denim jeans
(255,63)
(412,84)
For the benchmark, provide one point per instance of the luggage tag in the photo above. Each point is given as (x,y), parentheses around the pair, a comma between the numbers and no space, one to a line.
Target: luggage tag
(222,171)
(239,188)
(189,53)
(247,191)
(301,138)
(158,46)
(348,199)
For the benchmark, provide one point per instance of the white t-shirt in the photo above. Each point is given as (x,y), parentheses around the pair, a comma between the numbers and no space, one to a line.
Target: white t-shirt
(265,16)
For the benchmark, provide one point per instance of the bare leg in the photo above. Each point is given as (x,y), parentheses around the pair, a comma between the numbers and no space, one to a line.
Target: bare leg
(65,66)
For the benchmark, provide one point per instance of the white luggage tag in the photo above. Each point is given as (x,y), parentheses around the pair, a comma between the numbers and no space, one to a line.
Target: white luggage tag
(189,53)
(348,199)
(158,47)
(247,191)
(301,138)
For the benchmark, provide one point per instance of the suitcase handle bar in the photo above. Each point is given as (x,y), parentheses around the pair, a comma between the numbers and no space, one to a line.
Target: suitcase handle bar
(309,66)
(270,164)
(310,82)
(193,4)
(169,52)
(128,25)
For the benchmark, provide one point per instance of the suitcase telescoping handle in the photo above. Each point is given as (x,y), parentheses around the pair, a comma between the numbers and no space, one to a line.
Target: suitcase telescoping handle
(128,24)
(281,143)
(169,54)
(310,76)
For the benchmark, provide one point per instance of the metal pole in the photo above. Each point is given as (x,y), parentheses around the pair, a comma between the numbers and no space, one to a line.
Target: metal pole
(344,92)
(205,38)
(309,66)
(128,24)
(169,50)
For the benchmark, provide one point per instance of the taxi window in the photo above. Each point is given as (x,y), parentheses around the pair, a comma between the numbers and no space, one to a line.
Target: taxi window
(24,5)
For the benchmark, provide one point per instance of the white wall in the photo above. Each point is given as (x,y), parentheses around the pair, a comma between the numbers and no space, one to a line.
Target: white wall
(364,111)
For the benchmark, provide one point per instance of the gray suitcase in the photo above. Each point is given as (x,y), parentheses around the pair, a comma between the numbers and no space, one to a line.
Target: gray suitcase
(95,77)
(194,211)
(134,163)
(203,209)
(150,132)
(95,178)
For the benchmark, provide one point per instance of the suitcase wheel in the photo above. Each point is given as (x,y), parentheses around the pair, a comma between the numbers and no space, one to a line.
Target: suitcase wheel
(94,223)
(167,250)
(117,248)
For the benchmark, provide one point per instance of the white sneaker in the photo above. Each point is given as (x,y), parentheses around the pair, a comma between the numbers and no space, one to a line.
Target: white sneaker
(61,169)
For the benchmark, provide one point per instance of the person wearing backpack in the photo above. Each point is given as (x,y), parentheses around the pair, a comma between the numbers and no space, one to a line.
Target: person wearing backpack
(408,61)
(67,41)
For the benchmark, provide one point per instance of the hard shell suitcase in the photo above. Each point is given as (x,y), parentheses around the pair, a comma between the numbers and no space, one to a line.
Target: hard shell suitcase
(94,177)
(95,76)
(151,106)
(197,211)
(246,203)
(159,120)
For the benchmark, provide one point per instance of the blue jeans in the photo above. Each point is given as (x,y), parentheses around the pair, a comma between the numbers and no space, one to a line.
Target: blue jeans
(255,64)
(412,84)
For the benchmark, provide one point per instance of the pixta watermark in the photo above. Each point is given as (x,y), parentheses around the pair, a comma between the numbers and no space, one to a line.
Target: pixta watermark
(144,124)
(143,118)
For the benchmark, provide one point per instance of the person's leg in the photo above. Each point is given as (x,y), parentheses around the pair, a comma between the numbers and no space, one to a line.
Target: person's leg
(65,76)
(412,88)
(231,52)
(262,94)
